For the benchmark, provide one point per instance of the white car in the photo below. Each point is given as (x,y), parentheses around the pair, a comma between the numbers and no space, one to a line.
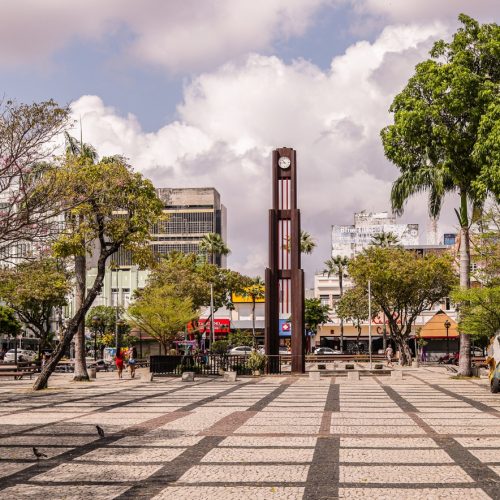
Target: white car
(22,355)
(326,350)
(242,350)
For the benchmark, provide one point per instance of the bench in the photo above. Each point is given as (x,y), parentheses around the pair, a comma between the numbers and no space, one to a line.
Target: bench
(18,375)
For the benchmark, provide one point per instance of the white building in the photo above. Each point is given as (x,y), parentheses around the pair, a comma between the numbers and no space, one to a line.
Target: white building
(349,241)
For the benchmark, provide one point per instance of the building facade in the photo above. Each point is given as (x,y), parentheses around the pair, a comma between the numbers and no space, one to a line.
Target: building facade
(191,213)
(349,241)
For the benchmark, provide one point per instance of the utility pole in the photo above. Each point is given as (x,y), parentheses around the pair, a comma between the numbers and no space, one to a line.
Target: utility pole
(370,322)
(212,334)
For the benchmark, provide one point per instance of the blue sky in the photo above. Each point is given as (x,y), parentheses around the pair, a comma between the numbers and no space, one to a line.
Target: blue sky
(199,93)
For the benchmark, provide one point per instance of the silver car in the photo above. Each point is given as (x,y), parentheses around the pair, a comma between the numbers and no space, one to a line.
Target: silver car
(22,355)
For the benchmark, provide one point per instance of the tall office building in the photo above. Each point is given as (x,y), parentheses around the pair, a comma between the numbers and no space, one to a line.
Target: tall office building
(349,241)
(191,213)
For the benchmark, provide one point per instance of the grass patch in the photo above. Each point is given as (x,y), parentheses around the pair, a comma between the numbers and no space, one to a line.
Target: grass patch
(463,377)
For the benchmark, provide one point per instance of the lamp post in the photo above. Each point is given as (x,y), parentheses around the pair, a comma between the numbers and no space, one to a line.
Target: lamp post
(447,325)
(97,323)
(119,325)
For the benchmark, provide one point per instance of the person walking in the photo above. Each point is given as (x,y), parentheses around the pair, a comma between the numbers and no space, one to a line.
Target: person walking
(388,354)
(132,360)
(119,362)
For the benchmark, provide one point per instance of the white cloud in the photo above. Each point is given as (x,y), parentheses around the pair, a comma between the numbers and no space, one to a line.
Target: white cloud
(231,119)
(175,34)
(425,10)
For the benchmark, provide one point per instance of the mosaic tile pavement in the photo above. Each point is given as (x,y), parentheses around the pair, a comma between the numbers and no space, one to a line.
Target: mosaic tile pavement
(425,437)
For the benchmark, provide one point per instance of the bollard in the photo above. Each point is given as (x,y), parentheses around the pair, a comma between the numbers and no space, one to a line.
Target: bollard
(352,375)
(188,376)
(314,375)
(397,374)
(230,376)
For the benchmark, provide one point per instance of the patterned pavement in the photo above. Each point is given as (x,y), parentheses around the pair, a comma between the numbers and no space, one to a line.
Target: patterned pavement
(425,437)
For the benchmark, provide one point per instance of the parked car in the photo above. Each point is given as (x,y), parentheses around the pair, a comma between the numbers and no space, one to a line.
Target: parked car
(242,350)
(101,365)
(22,355)
(326,350)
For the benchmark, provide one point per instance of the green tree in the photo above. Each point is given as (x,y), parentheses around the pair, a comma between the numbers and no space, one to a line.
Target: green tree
(101,320)
(34,290)
(118,206)
(315,314)
(307,243)
(353,307)
(212,244)
(240,338)
(441,132)
(86,154)
(9,324)
(255,290)
(338,265)
(480,312)
(402,286)
(385,239)
(162,314)
(192,278)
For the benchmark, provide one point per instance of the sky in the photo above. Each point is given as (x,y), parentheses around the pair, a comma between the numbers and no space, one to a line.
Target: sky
(197,93)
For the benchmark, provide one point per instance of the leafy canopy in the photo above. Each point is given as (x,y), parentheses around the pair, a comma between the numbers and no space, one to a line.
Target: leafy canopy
(444,121)
(353,306)
(161,313)
(315,313)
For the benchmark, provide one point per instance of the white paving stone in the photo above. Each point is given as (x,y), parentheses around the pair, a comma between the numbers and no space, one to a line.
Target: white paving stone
(231,493)
(412,493)
(102,473)
(245,474)
(259,455)
(403,474)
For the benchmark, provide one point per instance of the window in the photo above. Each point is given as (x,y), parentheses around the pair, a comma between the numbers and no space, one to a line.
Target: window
(325,300)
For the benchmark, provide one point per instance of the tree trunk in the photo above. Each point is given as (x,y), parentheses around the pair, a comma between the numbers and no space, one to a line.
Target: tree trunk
(359,335)
(79,316)
(341,287)
(464,367)
(404,351)
(80,364)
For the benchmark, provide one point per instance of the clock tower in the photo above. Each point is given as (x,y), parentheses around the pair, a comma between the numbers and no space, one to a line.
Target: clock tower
(284,276)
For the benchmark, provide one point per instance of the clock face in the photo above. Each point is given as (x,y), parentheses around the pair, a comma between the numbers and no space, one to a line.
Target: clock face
(284,162)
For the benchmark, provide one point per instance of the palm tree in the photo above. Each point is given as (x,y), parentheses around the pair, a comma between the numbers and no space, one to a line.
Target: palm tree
(385,240)
(254,291)
(81,152)
(338,265)
(307,243)
(213,244)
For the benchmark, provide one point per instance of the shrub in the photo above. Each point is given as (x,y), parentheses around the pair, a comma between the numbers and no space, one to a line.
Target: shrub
(256,361)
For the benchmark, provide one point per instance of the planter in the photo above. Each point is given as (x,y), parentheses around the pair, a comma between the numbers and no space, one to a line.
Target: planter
(379,367)
(349,367)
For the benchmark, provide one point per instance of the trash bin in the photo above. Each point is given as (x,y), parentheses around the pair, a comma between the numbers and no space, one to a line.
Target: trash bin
(92,372)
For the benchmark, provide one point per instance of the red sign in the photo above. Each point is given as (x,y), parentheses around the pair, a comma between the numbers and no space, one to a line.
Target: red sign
(220,326)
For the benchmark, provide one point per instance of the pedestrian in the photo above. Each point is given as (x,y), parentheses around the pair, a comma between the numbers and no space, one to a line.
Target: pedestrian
(388,354)
(119,362)
(132,360)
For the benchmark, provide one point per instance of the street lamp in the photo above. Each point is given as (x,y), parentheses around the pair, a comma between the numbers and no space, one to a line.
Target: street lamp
(447,325)
(119,325)
(96,323)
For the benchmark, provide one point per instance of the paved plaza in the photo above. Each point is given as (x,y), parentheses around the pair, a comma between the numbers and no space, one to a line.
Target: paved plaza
(427,436)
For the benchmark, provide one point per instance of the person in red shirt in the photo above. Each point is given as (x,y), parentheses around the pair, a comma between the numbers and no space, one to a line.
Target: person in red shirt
(119,362)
